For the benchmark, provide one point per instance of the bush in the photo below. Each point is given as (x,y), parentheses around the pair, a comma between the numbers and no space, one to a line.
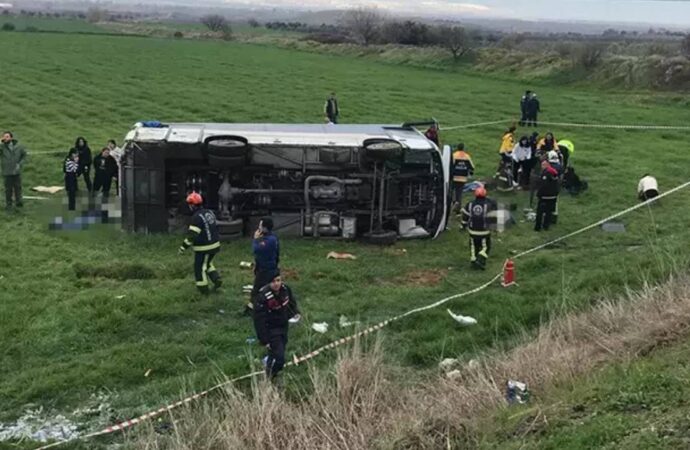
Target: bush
(589,55)
(31,29)
(214,22)
(178,35)
(8,26)
(327,38)
(685,46)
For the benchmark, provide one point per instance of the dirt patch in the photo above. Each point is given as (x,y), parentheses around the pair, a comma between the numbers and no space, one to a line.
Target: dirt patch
(290,274)
(423,277)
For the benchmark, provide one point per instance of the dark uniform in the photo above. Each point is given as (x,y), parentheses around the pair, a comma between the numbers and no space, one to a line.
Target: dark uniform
(71,170)
(266,258)
(203,238)
(475,218)
(331,109)
(272,311)
(105,170)
(547,195)
(463,168)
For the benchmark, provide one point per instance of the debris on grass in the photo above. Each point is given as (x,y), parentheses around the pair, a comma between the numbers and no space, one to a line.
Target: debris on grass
(447,364)
(336,255)
(246,264)
(119,297)
(147,373)
(517,392)
(48,189)
(396,251)
(613,227)
(344,322)
(463,320)
(454,374)
(290,274)
(320,327)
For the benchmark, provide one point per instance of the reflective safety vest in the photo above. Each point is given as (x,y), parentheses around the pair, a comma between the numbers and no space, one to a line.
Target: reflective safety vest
(463,166)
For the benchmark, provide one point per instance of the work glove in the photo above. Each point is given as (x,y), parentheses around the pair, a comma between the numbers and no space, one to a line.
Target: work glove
(181,250)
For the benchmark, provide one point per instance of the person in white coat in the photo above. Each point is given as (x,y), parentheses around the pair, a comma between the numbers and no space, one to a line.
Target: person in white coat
(522,156)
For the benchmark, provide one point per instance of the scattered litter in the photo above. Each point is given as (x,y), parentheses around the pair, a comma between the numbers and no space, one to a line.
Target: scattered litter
(344,322)
(246,265)
(264,361)
(48,189)
(613,227)
(247,288)
(463,320)
(454,374)
(320,327)
(32,425)
(119,297)
(336,255)
(251,340)
(221,311)
(447,364)
(148,372)
(31,197)
(516,392)
(473,364)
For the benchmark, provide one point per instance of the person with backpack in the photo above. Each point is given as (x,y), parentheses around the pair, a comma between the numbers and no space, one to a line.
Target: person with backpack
(476,220)
(204,239)
(463,169)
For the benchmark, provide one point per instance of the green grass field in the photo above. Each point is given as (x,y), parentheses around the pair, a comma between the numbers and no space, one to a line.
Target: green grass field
(65,333)
(62,25)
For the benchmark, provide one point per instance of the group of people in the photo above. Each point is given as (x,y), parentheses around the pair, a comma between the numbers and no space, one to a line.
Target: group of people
(529,109)
(273,304)
(78,164)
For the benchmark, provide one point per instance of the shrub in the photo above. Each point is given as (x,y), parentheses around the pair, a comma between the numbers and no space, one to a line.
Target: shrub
(685,46)
(31,29)
(178,35)
(589,55)
(8,26)
(327,38)
(215,22)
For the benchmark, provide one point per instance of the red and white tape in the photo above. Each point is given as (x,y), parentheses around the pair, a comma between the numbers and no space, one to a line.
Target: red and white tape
(313,354)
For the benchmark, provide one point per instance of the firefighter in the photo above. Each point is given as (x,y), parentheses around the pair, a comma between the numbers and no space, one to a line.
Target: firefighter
(547,195)
(463,168)
(202,236)
(274,307)
(475,219)
(266,249)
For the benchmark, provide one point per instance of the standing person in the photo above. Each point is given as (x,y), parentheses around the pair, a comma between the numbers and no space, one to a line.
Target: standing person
(522,160)
(117,153)
(274,306)
(12,160)
(203,237)
(504,171)
(266,249)
(547,143)
(105,168)
(71,171)
(475,218)
(523,107)
(533,110)
(463,169)
(82,148)
(432,134)
(331,109)
(547,195)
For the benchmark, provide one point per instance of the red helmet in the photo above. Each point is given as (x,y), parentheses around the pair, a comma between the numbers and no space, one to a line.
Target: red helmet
(480,192)
(194,199)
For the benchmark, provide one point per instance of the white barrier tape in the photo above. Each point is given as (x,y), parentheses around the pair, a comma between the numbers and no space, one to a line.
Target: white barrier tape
(603,221)
(475,125)
(313,354)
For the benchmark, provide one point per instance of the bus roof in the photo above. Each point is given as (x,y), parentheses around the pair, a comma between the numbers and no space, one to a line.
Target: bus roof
(281,134)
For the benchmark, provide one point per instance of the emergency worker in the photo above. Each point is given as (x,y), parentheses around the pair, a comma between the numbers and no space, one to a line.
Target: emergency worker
(475,219)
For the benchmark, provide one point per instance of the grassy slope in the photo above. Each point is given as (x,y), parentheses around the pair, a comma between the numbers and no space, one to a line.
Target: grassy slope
(641,404)
(69,337)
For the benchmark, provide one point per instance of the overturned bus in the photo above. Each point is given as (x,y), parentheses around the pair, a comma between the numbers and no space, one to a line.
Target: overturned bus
(376,182)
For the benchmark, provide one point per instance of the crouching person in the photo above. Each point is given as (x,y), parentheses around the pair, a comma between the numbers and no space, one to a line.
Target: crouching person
(475,219)
(274,306)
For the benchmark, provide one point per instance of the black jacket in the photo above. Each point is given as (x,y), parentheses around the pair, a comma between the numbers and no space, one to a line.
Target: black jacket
(549,184)
(105,167)
(85,158)
(70,169)
(533,106)
(202,234)
(331,108)
(272,311)
(475,216)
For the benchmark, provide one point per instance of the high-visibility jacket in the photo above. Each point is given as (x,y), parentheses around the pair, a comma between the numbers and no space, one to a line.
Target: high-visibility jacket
(475,216)
(463,166)
(507,143)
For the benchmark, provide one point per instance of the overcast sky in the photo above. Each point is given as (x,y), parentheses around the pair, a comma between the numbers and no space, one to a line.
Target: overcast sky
(676,12)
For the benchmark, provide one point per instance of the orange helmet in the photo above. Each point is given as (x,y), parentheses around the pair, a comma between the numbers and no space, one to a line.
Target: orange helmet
(480,192)
(194,199)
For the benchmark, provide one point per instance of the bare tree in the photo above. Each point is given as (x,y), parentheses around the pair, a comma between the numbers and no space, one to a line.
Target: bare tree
(363,23)
(455,40)
(95,15)
(215,22)
(253,23)
(589,55)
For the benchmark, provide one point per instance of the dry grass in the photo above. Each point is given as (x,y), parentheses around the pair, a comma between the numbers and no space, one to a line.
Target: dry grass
(362,404)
